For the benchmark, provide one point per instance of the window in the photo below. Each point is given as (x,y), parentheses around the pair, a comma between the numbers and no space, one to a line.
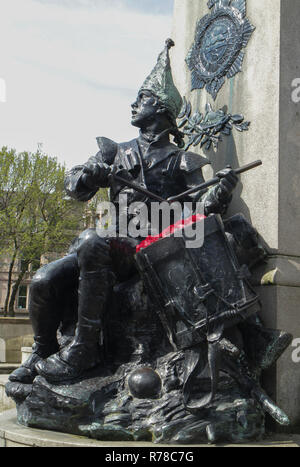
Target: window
(22,298)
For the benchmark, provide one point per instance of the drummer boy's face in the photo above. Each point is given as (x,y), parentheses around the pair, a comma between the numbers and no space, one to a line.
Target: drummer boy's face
(144,109)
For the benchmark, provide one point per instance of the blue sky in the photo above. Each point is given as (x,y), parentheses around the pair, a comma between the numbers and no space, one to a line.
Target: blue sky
(73,67)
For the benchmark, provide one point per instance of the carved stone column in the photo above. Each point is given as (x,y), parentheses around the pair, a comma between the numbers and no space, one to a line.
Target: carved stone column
(270,195)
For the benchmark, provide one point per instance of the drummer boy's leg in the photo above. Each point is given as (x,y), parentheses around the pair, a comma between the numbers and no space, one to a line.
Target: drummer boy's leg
(46,310)
(95,284)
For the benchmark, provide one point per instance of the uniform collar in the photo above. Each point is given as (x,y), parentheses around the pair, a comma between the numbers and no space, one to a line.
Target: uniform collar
(155,152)
(162,138)
(158,150)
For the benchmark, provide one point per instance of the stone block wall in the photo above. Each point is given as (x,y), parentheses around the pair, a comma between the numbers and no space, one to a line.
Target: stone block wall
(270,195)
(15,333)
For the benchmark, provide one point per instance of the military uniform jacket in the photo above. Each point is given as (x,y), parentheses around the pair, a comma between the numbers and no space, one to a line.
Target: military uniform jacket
(165,170)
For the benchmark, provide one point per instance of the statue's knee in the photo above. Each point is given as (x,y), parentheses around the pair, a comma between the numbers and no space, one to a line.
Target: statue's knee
(47,279)
(40,284)
(94,251)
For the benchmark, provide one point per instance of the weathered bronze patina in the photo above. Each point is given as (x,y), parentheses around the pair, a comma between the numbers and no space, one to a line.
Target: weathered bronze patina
(218,49)
(144,338)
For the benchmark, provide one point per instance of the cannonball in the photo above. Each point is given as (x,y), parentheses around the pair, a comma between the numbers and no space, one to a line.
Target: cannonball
(144,383)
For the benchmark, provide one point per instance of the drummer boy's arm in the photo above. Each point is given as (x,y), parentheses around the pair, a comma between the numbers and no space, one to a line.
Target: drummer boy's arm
(83,181)
(207,198)
(217,198)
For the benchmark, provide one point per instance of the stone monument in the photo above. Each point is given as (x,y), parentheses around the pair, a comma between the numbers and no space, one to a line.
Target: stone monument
(145,337)
(270,197)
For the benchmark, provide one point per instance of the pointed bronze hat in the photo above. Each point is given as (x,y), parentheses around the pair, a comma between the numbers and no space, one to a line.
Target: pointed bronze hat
(160,82)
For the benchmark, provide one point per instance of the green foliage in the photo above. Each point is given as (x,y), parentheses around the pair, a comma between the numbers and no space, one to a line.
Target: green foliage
(101,195)
(35,214)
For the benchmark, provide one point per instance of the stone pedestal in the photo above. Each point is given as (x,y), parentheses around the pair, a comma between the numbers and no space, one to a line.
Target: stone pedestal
(13,435)
(26,352)
(268,196)
(14,334)
(5,402)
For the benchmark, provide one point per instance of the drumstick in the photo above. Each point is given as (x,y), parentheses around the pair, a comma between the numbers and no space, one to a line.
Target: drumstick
(203,186)
(214,181)
(138,188)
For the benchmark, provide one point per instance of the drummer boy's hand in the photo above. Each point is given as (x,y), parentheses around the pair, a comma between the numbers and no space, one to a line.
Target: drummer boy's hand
(120,171)
(228,181)
(94,173)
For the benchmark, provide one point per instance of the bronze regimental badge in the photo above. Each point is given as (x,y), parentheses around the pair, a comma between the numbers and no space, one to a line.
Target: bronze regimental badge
(220,38)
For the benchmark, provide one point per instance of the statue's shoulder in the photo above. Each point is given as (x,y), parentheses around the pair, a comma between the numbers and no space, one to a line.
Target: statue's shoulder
(108,149)
(190,161)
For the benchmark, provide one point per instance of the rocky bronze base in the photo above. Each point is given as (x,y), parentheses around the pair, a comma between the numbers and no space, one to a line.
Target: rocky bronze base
(103,407)
(139,393)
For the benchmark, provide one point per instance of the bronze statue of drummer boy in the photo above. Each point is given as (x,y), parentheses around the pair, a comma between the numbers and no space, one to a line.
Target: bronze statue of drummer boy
(79,285)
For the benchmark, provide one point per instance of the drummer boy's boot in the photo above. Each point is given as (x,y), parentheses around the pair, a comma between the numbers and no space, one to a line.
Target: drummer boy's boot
(27,372)
(45,319)
(83,353)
